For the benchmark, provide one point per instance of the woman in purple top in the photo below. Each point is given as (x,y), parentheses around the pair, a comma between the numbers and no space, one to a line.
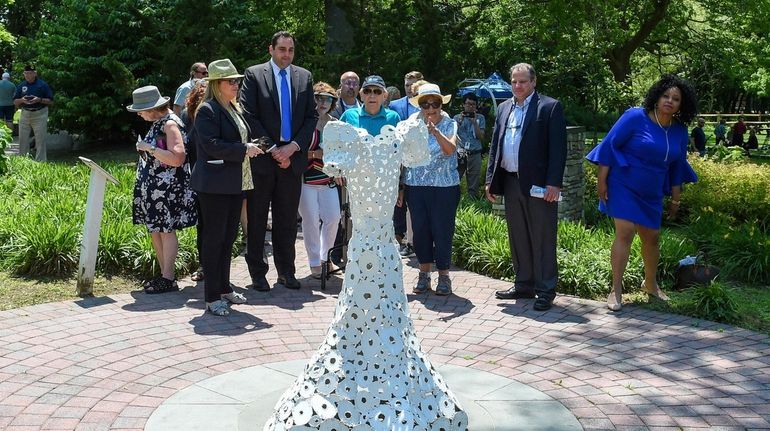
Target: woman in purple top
(643,157)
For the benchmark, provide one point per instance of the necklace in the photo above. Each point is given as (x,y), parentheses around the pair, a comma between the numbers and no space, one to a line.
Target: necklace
(665,131)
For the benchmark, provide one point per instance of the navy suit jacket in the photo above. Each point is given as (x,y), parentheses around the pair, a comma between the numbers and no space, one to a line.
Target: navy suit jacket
(218,140)
(403,108)
(261,108)
(543,149)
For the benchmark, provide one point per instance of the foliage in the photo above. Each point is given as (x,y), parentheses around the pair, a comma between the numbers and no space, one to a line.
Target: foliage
(739,190)
(5,139)
(42,213)
(714,301)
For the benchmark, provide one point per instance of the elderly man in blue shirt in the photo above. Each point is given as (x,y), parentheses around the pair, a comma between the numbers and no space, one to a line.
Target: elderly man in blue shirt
(373,114)
(33,96)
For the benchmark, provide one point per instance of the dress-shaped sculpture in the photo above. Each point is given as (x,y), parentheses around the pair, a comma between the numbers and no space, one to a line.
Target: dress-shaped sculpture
(370,373)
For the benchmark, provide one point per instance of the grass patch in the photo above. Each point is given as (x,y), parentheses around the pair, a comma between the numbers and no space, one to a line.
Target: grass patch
(18,292)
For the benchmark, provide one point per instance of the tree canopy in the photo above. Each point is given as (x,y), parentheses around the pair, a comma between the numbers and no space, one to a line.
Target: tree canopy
(597,57)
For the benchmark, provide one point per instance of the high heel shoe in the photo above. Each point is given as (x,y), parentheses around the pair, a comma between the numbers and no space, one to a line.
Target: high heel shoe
(657,292)
(612,302)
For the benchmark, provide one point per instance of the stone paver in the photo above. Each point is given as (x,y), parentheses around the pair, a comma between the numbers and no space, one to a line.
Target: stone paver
(108,363)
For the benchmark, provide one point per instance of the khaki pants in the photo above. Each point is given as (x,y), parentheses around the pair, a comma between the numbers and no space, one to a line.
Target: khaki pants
(37,122)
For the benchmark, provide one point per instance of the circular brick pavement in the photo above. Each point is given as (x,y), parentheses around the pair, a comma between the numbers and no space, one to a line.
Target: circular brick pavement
(107,363)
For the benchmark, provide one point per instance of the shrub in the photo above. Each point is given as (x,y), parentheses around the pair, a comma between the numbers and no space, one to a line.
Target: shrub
(41,218)
(713,301)
(739,190)
(5,140)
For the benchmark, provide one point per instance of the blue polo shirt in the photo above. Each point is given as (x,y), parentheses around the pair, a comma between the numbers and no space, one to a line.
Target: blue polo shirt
(358,117)
(38,88)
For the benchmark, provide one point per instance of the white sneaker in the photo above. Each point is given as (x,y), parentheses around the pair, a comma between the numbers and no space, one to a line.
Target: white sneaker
(234,298)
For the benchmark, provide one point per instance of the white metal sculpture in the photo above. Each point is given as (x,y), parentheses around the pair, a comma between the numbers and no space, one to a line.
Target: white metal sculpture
(370,373)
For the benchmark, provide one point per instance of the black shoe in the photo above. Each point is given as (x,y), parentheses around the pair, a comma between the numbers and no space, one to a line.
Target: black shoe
(542,304)
(514,293)
(259,284)
(289,281)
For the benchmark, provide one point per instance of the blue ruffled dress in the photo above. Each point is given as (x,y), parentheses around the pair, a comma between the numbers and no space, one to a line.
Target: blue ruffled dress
(643,167)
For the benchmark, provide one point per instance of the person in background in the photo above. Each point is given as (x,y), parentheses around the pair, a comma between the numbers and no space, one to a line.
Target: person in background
(163,200)
(720,133)
(192,101)
(643,158)
(221,173)
(198,71)
(401,221)
(528,154)
(393,94)
(739,129)
(7,90)
(33,96)
(350,84)
(752,143)
(319,204)
(433,191)
(471,132)
(699,137)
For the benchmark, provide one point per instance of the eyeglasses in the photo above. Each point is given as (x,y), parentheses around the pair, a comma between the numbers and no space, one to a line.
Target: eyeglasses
(427,104)
(323,99)
(234,81)
(350,82)
(376,91)
(203,72)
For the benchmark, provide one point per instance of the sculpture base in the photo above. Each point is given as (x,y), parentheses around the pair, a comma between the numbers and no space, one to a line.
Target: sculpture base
(243,400)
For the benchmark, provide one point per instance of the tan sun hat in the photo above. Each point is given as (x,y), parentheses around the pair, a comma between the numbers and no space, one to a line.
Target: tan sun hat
(426,90)
(146,98)
(222,69)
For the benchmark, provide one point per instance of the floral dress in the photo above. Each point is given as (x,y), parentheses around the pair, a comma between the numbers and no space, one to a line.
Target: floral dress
(163,199)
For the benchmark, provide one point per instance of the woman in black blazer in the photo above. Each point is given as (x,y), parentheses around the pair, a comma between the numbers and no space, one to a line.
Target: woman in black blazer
(221,173)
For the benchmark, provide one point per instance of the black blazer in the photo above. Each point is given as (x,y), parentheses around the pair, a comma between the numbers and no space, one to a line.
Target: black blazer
(220,151)
(543,149)
(261,108)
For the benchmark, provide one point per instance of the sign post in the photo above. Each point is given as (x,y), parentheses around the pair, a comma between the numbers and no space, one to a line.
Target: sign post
(93,223)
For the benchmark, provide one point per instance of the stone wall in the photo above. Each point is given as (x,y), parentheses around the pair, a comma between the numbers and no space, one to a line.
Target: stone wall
(571,206)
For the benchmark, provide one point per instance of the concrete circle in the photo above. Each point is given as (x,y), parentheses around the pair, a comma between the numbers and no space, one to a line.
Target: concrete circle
(244,399)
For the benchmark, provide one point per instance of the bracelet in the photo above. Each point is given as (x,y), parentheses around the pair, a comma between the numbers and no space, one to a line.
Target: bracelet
(152,150)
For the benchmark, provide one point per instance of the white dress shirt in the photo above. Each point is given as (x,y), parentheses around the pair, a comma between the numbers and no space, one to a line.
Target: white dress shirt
(513,133)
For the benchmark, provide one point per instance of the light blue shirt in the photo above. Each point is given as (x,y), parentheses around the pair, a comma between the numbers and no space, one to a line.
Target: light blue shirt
(277,75)
(358,117)
(512,139)
(442,169)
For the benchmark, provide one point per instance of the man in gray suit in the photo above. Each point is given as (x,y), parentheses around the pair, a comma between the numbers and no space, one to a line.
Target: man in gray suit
(526,166)
(277,100)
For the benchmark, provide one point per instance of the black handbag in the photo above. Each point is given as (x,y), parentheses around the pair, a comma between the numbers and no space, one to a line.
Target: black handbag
(694,274)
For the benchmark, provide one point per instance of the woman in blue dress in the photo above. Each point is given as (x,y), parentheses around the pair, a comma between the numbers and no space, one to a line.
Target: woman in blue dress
(643,157)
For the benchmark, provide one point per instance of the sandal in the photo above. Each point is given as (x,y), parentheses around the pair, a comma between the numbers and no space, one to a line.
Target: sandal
(613,303)
(161,285)
(197,275)
(218,308)
(657,292)
(151,282)
(234,298)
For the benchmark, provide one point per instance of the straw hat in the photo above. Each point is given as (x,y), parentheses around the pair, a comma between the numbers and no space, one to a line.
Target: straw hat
(426,90)
(146,98)
(222,69)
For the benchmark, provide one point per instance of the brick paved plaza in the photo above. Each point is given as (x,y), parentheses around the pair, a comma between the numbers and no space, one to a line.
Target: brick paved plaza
(108,363)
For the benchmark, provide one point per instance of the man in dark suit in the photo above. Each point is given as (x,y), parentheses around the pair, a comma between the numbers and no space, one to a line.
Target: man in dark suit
(278,104)
(528,151)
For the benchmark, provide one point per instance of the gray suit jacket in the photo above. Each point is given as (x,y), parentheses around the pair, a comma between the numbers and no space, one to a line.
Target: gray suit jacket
(543,149)
(261,109)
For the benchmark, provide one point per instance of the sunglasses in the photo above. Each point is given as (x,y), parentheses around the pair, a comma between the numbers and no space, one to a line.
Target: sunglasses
(323,99)
(233,81)
(434,104)
(376,91)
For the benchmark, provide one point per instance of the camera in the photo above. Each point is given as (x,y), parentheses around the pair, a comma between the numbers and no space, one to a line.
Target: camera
(469,114)
(29,97)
